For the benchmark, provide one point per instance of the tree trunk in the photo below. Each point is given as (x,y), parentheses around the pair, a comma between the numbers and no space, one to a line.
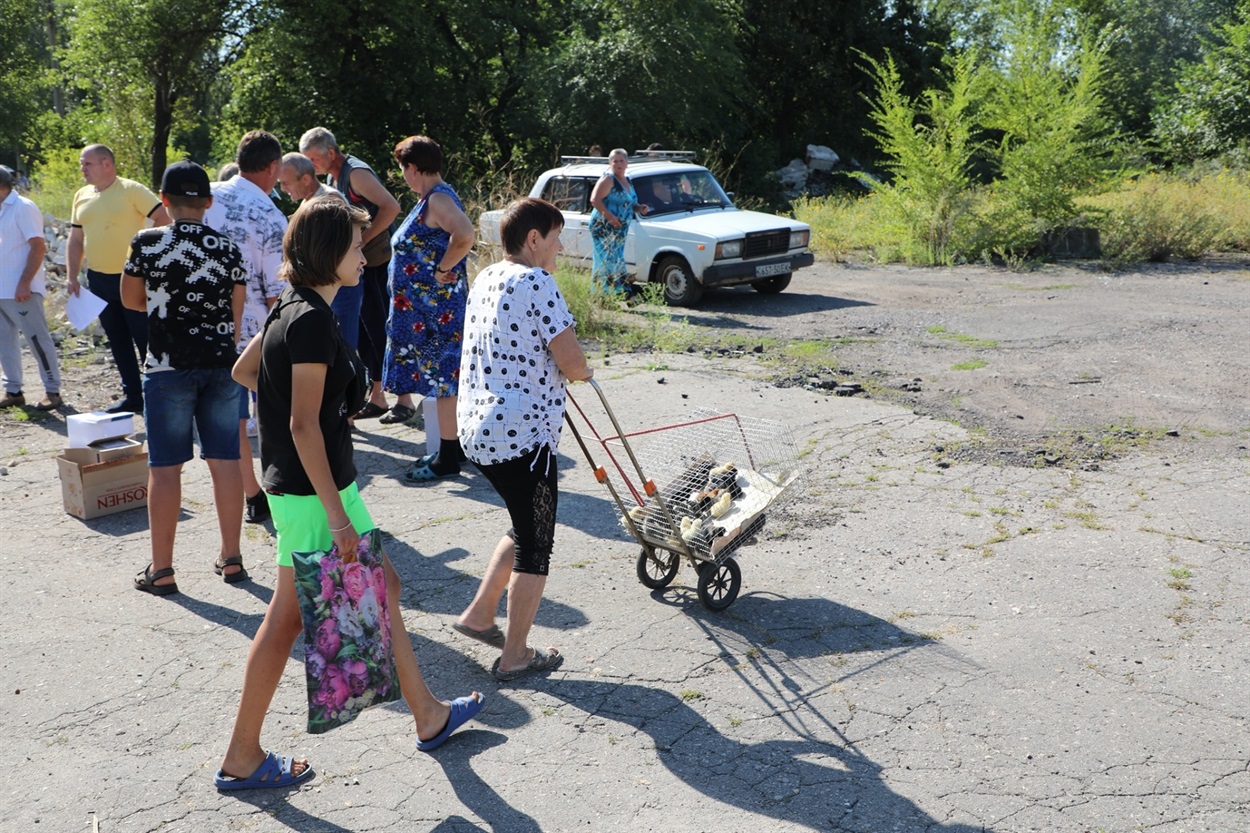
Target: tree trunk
(54,46)
(162,125)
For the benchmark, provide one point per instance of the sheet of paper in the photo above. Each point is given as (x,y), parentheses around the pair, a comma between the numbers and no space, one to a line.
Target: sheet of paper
(83,308)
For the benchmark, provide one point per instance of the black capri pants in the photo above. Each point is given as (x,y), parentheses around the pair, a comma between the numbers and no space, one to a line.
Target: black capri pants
(527,485)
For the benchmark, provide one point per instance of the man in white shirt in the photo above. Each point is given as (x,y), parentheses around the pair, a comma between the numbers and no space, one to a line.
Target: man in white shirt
(22,248)
(243,211)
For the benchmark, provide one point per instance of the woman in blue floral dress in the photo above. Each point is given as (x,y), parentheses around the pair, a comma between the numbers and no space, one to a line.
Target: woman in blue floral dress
(614,200)
(428,288)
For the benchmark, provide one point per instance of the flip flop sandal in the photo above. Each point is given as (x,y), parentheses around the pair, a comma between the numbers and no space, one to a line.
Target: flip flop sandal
(370,410)
(544,660)
(422,473)
(462,711)
(274,772)
(492,636)
(219,567)
(398,414)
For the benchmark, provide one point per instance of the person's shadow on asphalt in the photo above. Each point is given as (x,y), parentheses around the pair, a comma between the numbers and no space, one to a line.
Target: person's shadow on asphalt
(820,785)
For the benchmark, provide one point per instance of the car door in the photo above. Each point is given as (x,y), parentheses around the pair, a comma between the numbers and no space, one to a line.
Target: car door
(571,194)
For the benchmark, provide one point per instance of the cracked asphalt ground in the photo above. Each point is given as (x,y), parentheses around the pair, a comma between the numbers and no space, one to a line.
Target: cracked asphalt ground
(930,638)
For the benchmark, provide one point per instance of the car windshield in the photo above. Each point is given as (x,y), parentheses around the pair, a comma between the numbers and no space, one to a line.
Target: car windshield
(665,193)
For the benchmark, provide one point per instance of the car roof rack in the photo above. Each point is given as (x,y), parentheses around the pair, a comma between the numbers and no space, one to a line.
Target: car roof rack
(638,156)
(663,155)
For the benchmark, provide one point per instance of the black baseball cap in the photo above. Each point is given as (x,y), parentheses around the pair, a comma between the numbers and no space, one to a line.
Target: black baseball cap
(185,179)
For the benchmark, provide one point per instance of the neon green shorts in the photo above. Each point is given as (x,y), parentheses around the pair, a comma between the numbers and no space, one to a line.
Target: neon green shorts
(302,525)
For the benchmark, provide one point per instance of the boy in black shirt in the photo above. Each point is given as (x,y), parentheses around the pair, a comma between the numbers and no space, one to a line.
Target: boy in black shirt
(191,282)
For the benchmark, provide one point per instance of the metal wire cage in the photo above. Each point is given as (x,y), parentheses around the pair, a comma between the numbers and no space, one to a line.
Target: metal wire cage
(716,476)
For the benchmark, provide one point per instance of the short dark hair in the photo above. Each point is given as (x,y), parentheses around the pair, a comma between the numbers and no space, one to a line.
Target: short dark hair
(258,149)
(421,151)
(318,237)
(526,215)
(193,203)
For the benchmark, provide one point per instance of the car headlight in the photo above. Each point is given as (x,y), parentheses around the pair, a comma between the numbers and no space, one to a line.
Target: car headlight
(731,248)
(798,239)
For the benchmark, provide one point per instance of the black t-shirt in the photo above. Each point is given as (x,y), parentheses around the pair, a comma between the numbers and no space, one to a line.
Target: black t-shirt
(301,329)
(190,272)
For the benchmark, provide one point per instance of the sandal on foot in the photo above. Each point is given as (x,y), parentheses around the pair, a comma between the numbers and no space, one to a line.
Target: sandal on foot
(462,711)
(146,581)
(399,413)
(424,472)
(220,567)
(274,772)
(544,660)
(492,636)
(370,410)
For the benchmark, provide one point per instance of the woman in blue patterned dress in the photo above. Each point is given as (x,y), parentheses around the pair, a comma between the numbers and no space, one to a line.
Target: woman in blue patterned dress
(615,201)
(428,288)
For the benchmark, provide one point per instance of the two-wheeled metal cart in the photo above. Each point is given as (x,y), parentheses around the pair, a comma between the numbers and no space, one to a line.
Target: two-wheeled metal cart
(719,475)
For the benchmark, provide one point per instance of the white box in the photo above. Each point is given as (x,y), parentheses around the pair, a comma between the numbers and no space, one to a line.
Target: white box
(85,429)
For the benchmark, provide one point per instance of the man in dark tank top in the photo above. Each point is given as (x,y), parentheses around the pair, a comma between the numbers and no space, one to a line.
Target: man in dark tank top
(356,181)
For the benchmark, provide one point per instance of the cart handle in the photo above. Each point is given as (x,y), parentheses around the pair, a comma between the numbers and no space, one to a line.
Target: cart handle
(648,486)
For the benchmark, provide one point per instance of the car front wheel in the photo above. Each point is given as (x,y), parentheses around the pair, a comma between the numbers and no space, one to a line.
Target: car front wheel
(771,286)
(680,287)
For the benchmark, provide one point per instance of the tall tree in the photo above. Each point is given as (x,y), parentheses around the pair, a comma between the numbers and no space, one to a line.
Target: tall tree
(1146,43)
(374,71)
(1209,113)
(139,59)
(23,74)
(806,81)
(1046,105)
(640,71)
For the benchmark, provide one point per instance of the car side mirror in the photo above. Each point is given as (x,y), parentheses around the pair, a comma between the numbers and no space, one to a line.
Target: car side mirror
(729,194)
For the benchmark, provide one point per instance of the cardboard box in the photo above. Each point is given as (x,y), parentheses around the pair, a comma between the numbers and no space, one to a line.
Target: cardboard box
(91,489)
(85,429)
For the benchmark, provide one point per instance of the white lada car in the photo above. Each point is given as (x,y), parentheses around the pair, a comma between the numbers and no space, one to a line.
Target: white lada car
(694,237)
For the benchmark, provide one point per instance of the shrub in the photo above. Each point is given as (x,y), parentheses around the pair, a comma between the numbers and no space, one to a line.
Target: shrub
(55,181)
(1045,101)
(929,145)
(1156,218)
(843,224)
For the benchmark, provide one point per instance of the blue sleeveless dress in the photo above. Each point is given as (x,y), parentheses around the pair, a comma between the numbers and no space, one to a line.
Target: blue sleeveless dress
(608,272)
(426,324)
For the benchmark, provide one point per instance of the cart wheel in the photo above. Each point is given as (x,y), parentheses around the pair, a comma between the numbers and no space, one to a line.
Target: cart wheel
(656,569)
(719,585)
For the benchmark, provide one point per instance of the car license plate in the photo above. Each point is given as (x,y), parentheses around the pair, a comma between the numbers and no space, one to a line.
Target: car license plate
(768,270)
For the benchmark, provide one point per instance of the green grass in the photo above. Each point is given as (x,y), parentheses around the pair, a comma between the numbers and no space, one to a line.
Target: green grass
(962,338)
(1155,216)
(973,364)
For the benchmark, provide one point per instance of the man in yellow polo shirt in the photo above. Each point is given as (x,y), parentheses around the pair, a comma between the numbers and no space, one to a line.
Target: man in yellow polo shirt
(106,214)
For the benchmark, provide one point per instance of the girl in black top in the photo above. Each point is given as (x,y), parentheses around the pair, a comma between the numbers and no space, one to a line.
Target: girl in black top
(308,384)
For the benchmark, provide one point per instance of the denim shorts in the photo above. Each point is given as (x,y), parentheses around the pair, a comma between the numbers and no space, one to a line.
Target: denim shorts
(302,525)
(178,404)
(245,403)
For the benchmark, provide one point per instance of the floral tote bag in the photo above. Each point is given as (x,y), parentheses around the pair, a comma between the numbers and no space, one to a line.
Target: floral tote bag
(348,661)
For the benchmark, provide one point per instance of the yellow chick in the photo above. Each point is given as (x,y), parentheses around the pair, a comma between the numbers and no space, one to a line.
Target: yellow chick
(689,533)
